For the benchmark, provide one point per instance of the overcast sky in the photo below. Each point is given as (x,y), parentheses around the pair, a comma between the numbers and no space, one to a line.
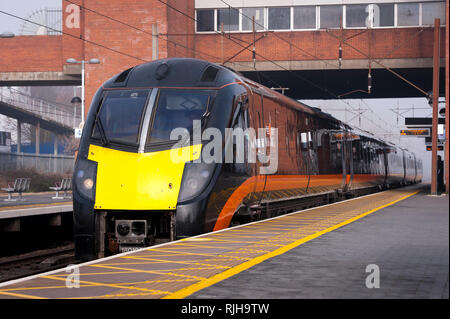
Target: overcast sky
(378,118)
(22,8)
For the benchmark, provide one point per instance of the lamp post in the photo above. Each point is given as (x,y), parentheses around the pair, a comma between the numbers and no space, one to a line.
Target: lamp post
(82,62)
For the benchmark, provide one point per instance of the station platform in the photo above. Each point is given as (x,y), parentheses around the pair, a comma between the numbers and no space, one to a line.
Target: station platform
(34,204)
(316,253)
(33,199)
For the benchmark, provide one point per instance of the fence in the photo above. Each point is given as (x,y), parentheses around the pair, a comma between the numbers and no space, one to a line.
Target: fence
(41,162)
(44,109)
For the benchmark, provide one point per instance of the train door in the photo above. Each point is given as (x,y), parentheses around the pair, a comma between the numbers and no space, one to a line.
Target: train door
(304,156)
(338,156)
(260,146)
(415,168)
(248,121)
(348,159)
(269,152)
(403,161)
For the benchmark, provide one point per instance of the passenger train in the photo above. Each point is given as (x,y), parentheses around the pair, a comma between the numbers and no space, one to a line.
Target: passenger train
(128,191)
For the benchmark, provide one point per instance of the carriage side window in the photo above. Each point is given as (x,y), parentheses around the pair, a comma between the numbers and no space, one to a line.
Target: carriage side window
(304,141)
(311,143)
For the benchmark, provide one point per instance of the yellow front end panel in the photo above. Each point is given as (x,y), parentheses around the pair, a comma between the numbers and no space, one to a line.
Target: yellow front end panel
(134,181)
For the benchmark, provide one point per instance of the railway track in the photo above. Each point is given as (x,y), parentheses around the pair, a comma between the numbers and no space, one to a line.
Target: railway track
(14,267)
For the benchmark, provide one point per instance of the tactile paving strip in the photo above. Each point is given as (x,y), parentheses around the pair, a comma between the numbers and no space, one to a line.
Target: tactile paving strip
(178,269)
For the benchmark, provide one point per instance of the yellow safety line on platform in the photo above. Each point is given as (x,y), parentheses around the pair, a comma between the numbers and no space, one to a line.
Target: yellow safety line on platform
(182,293)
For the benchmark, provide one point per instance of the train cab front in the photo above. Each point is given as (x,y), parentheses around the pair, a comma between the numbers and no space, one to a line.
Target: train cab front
(136,163)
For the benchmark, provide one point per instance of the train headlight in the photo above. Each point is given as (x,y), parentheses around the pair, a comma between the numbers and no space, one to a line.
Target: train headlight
(196,177)
(88,183)
(84,177)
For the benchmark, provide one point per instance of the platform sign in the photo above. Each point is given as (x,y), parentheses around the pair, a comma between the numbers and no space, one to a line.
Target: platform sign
(425,132)
(439,144)
(440,148)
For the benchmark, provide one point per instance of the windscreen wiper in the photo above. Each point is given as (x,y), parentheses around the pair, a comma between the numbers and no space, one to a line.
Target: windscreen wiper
(99,125)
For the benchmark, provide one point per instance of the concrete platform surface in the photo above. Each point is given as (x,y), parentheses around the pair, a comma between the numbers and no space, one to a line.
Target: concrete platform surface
(204,265)
(408,242)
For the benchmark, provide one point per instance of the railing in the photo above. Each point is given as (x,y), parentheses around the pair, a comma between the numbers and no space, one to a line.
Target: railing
(40,162)
(43,109)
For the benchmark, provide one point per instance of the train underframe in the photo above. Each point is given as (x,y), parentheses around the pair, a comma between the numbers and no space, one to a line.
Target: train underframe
(122,231)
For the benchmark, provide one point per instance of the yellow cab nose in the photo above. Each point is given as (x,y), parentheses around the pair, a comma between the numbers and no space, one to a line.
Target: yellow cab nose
(139,181)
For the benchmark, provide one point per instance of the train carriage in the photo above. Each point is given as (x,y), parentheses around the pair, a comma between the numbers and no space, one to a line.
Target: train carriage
(275,155)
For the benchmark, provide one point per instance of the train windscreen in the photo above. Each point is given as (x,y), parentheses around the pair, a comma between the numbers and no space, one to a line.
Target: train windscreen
(120,116)
(177,109)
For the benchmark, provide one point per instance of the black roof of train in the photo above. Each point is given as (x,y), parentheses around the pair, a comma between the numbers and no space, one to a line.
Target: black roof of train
(174,72)
(188,72)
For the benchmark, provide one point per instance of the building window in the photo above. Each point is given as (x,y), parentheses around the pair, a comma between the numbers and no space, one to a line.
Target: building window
(305,17)
(431,11)
(230,19)
(408,14)
(279,18)
(383,15)
(356,15)
(248,14)
(330,17)
(205,20)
